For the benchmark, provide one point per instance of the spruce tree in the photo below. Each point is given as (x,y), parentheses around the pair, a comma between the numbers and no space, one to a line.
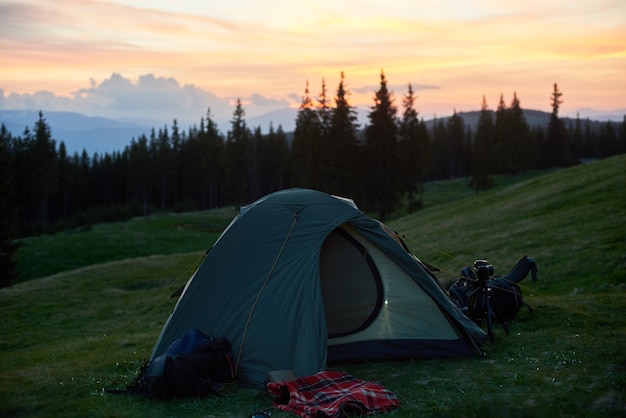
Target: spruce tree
(340,146)
(139,173)
(481,150)
(36,176)
(163,165)
(238,159)
(324,109)
(439,149)
(622,137)
(213,168)
(275,161)
(557,150)
(576,136)
(66,182)
(258,144)
(455,149)
(608,140)
(414,156)
(9,243)
(499,149)
(519,150)
(305,146)
(382,160)
(44,167)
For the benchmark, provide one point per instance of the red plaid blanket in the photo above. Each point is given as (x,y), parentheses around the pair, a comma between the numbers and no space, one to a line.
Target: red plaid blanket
(331,394)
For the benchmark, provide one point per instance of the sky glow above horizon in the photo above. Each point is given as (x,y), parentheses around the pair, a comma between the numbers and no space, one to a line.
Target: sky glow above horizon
(105,55)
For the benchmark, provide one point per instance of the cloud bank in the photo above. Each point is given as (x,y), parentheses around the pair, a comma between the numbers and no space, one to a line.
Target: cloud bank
(149,98)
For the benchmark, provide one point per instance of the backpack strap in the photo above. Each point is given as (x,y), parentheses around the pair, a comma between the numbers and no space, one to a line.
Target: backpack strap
(521,270)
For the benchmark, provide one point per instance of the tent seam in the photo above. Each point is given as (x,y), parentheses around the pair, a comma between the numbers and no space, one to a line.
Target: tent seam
(296,215)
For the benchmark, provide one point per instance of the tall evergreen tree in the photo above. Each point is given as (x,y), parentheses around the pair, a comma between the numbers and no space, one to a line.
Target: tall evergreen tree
(9,243)
(305,147)
(37,170)
(257,167)
(238,159)
(176,138)
(274,161)
(439,147)
(414,158)
(382,160)
(590,141)
(139,175)
(204,156)
(324,109)
(519,152)
(163,165)
(575,134)
(85,187)
(341,145)
(456,149)
(557,150)
(481,150)
(499,150)
(608,140)
(622,139)
(66,182)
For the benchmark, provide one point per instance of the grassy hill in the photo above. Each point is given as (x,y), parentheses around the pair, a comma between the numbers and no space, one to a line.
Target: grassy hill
(573,222)
(67,336)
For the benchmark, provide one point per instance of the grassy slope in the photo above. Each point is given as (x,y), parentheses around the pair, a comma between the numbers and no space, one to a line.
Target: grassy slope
(163,234)
(572,222)
(66,336)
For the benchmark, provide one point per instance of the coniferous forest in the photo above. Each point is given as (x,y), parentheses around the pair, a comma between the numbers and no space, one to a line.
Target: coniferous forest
(382,165)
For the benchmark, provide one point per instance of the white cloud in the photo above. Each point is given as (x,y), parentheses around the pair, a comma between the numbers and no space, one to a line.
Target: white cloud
(149,97)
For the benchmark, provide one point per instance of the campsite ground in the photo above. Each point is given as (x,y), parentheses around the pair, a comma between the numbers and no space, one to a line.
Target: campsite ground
(95,301)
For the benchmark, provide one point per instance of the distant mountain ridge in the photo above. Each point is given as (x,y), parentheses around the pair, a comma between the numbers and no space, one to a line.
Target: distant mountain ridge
(77,131)
(101,135)
(533,118)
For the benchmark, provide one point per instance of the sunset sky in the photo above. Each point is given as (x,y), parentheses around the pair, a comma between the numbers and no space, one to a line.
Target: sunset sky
(177,58)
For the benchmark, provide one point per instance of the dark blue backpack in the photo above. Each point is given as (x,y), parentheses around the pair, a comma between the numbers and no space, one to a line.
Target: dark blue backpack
(195,365)
(503,292)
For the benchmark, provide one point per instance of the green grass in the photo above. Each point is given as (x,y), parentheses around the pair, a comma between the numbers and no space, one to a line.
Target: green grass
(163,234)
(93,315)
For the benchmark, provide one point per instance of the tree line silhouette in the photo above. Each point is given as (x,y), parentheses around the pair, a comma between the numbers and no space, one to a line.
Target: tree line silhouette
(381,165)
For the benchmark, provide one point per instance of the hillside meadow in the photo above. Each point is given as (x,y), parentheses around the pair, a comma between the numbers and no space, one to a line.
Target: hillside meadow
(91,304)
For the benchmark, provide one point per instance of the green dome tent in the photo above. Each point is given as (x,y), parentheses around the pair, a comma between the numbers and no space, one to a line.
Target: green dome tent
(301,278)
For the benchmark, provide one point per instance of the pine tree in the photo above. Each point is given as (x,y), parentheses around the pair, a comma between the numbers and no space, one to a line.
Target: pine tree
(163,165)
(275,161)
(213,145)
(608,140)
(140,174)
(174,167)
(481,150)
(455,146)
(439,150)
(9,244)
(305,146)
(38,173)
(340,146)
(414,157)
(622,139)
(324,109)
(200,158)
(519,152)
(576,136)
(499,149)
(382,159)
(238,159)
(66,182)
(557,150)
